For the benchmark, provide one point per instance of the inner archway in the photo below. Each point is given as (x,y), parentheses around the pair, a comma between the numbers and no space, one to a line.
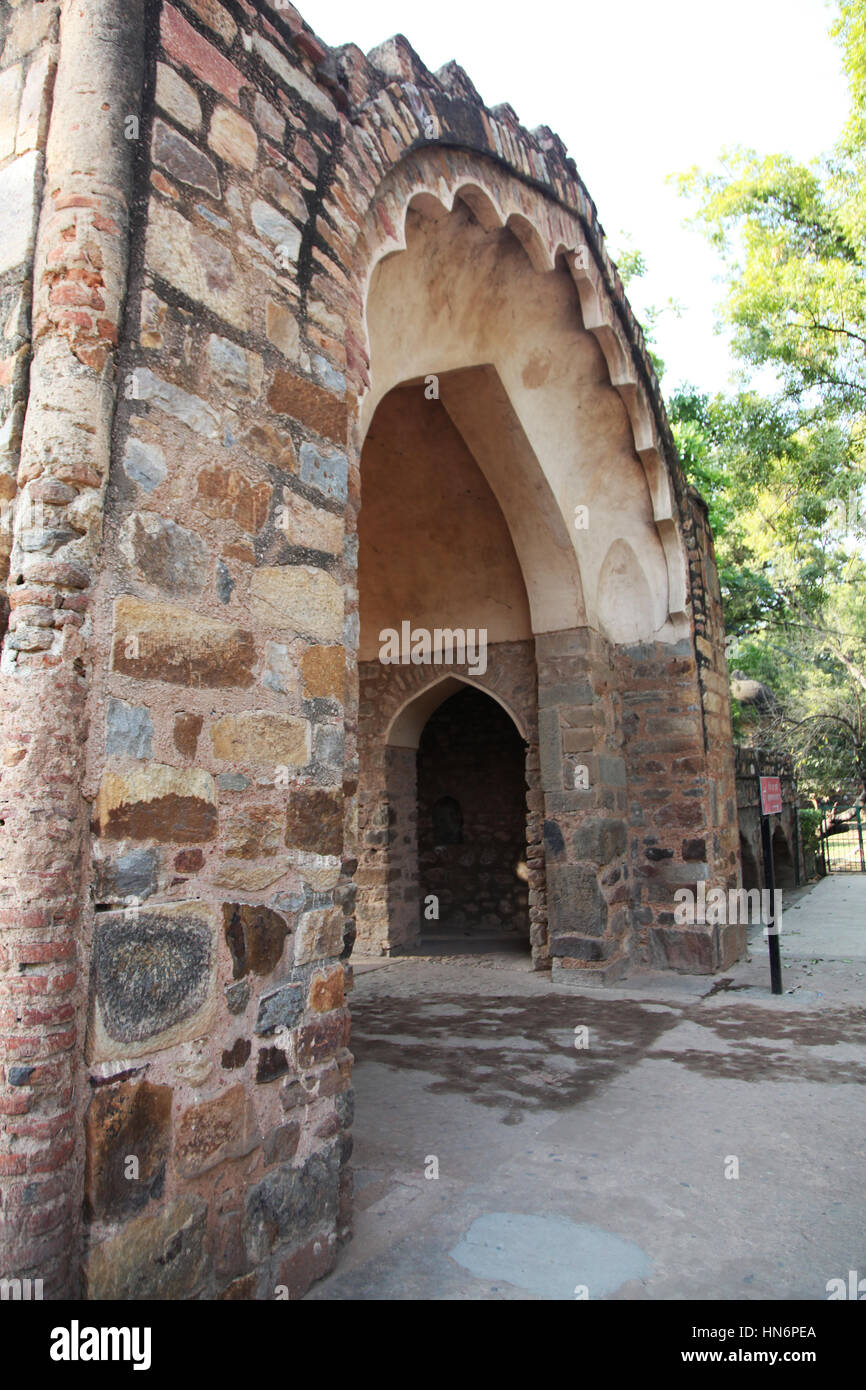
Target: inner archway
(749,865)
(783,862)
(472,869)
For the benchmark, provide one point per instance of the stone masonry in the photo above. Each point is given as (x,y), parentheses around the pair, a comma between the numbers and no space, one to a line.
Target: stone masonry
(197,198)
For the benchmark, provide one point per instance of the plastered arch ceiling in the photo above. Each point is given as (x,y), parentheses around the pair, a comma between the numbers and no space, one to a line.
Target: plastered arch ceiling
(471,285)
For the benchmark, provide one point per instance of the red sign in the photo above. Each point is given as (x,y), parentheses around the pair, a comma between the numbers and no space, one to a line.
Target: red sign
(771,796)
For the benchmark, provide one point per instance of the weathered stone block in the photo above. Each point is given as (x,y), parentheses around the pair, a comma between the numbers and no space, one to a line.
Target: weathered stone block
(690,951)
(237,1055)
(257,737)
(177,97)
(578,947)
(154,977)
(268,120)
(159,1257)
(304,524)
(273,445)
(157,802)
(233,138)
(286,193)
(281,1008)
(230,495)
(282,329)
(187,46)
(327,472)
(281,672)
(198,265)
(294,78)
(281,1144)
(129,731)
(237,997)
(156,641)
(217,1130)
(276,228)
(183,160)
(216,17)
(298,1271)
(290,1203)
(132,875)
(324,672)
(316,408)
(240,876)
(314,820)
(318,1042)
(271,1064)
(165,554)
(172,400)
(299,598)
(319,935)
(144,464)
(575,901)
(234,371)
(328,991)
(187,728)
(256,937)
(252,832)
(600,841)
(129,1121)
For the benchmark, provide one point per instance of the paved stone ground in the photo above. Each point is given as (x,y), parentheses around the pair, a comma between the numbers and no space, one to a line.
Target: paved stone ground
(605,1167)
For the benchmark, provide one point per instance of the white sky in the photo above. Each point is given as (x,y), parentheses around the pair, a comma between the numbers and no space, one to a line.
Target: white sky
(637,90)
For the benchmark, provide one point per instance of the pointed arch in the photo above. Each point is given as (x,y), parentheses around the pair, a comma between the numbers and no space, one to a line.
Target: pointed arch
(408,722)
(552,237)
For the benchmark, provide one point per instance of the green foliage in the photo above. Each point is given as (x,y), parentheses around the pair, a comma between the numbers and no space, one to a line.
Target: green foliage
(810,830)
(782,461)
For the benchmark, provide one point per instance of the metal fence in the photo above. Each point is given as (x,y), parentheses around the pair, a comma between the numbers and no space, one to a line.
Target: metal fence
(842,842)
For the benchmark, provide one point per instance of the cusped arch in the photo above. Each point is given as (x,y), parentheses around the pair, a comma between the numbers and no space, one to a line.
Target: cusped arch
(550,235)
(409,721)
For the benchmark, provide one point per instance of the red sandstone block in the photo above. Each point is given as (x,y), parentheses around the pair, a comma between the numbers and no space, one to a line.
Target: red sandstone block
(75,318)
(187,47)
(15,1104)
(25,598)
(50,1159)
(73,292)
(24,918)
(73,200)
(42,1129)
(309,44)
(28,984)
(105,224)
(307,155)
(61,1013)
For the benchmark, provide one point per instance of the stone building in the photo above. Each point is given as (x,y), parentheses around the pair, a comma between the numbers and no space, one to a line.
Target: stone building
(789,864)
(302,347)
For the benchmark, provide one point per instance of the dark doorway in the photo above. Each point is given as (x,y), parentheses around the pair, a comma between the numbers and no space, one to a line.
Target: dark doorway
(472,821)
(783,864)
(751,874)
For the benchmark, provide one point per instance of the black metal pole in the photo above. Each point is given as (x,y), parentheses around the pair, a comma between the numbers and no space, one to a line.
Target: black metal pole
(770,883)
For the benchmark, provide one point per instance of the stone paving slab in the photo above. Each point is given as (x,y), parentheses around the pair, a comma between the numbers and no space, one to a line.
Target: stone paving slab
(617,1151)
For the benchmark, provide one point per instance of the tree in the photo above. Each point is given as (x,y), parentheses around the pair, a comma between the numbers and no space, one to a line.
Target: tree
(782,462)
